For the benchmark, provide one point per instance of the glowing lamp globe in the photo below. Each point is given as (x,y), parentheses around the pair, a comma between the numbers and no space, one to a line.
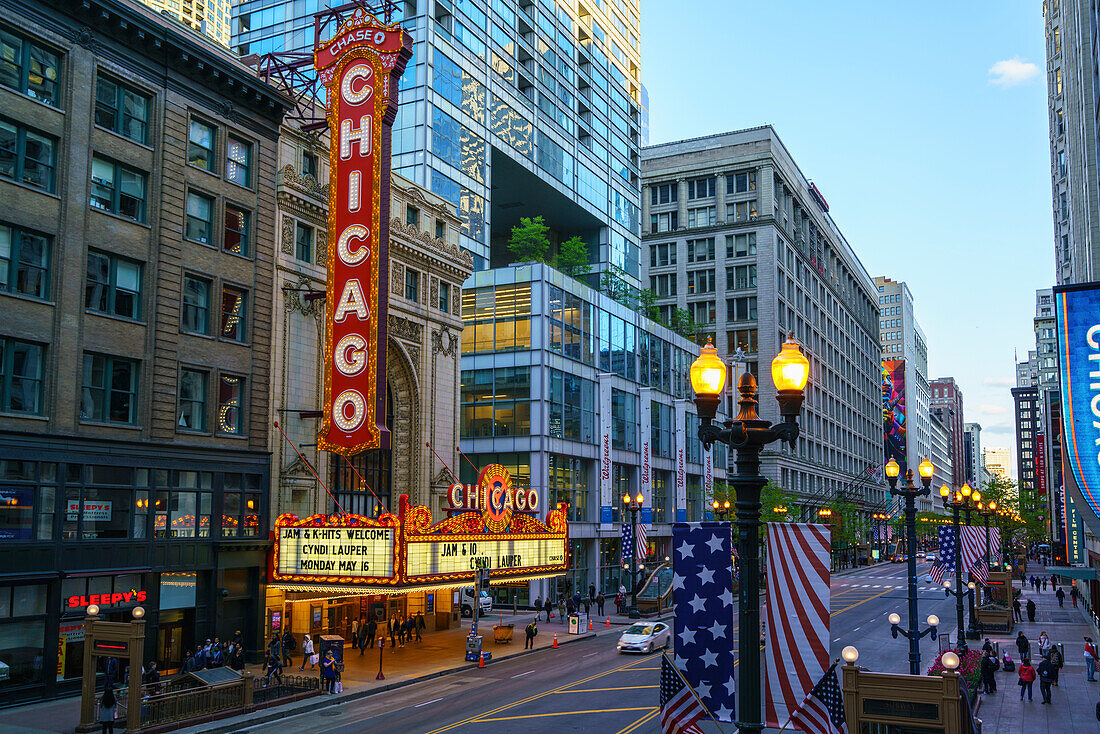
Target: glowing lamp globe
(894,618)
(790,368)
(138,612)
(993,506)
(714,504)
(926,469)
(977,496)
(933,620)
(944,491)
(92,610)
(965,491)
(950,660)
(893,469)
(708,372)
(850,654)
(639,499)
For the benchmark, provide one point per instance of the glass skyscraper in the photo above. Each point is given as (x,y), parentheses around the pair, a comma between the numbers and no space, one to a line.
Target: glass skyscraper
(509,109)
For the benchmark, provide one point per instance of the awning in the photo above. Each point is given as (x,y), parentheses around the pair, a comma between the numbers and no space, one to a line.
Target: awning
(364,590)
(1074,572)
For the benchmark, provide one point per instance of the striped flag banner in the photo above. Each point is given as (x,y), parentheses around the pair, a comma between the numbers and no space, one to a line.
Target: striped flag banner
(945,561)
(797,615)
(973,552)
(643,545)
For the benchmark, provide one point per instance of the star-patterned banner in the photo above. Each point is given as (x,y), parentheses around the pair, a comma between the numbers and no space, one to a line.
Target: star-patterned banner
(702,593)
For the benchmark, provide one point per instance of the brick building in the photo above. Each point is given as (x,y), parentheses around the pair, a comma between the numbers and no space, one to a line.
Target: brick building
(946,403)
(136,269)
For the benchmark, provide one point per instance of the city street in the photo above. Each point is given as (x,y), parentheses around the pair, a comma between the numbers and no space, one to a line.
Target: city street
(588,686)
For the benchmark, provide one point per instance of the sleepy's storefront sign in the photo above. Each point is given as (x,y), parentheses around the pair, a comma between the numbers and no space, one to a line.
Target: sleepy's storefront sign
(119,598)
(492,525)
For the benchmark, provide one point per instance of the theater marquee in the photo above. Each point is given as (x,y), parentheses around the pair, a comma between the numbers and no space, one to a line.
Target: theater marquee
(359,67)
(493,525)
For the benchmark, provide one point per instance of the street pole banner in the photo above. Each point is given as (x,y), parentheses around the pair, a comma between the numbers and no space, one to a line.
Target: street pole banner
(606,499)
(796,617)
(359,67)
(680,472)
(1077,312)
(702,596)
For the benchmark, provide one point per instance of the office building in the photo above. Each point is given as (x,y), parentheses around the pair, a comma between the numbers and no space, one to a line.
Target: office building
(742,244)
(1027,371)
(209,17)
(997,461)
(507,110)
(1046,340)
(902,340)
(583,399)
(1072,103)
(940,454)
(946,403)
(134,382)
(972,449)
(1028,412)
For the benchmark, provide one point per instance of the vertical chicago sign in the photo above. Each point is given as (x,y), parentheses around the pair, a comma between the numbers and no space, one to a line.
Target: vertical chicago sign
(359,67)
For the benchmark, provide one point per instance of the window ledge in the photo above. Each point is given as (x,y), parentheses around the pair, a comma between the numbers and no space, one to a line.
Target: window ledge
(197,334)
(248,258)
(35,189)
(233,436)
(109,424)
(128,140)
(115,317)
(25,297)
(249,189)
(24,416)
(119,217)
(37,101)
(189,432)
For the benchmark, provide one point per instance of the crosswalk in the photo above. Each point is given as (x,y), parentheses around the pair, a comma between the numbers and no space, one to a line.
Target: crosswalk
(888,586)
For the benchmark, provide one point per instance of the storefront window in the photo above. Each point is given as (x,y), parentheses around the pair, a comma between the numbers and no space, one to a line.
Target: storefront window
(662,507)
(182,512)
(22,634)
(28,493)
(569,484)
(518,465)
(241,505)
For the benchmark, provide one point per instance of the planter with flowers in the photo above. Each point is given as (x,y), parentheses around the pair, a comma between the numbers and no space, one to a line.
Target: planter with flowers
(969,666)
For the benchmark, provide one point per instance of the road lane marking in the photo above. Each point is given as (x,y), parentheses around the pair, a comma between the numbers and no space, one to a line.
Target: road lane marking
(861,601)
(595,690)
(427,702)
(520,702)
(520,675)
(564,713)
(589,655)
(639,722)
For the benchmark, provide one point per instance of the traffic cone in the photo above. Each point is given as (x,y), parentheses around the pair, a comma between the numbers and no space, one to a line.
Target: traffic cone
(608,621)
(555,640)
(481,660)
(590,624)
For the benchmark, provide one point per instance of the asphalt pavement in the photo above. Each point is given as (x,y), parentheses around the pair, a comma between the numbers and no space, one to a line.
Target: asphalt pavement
(590,687)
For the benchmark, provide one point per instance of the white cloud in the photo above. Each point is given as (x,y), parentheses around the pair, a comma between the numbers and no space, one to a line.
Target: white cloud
(991,409)
(1011,72)
(999,382)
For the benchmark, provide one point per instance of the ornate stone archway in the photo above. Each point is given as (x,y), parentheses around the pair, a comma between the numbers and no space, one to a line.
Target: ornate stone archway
(405,441)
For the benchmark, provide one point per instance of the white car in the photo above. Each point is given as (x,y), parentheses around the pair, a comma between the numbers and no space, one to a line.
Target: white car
(931,557)
(645,637)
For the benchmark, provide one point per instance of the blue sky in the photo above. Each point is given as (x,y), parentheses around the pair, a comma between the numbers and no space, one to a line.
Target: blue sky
(934,156)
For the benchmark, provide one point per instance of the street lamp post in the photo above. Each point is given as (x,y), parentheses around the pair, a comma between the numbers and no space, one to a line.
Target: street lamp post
(910,492)
(748,434)
(634,505)
(956,502)
(986,512)
(880,531)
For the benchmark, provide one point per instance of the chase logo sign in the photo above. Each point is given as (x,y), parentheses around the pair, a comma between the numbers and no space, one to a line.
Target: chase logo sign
(1078,318)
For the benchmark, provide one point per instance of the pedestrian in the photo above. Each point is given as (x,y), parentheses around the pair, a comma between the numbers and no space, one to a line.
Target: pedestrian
(1016,610)
(273,668)
(372,630)
(1023,645)
(1027,678)
(587,607)
(1090,660)
(531,631)
(561,610)
(571,606)
(188,662)
(328,673)
(420,626)
(1046,678)
(237,639)
(1073,594)
(988,666)
(307,653)
(619,603)
(410,628)
(538,605)
(1044,584)
(1061,595)
(549,607)
(1030,610)
(393,633)
(289,643)
(1057,661)
(600,600)
(1044,643)
(1053,580)
(151,677)
(592,592)
(107,711)
(110,672)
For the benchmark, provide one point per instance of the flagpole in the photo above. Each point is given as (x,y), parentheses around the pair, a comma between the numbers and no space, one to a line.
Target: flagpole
(791,715)
(693,693)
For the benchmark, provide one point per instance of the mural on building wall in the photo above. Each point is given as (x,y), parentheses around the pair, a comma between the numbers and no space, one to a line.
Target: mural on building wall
(893,412)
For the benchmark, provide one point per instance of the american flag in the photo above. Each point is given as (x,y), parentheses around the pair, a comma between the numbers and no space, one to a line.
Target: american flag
(945,561)
(702,596)
(973,552)
(680,710)
(643,545)
(627,542)
(797,615)
(823,710)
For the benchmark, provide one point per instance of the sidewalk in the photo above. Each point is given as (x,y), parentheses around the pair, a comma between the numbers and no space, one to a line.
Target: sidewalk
(438,654)
(1073,708)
